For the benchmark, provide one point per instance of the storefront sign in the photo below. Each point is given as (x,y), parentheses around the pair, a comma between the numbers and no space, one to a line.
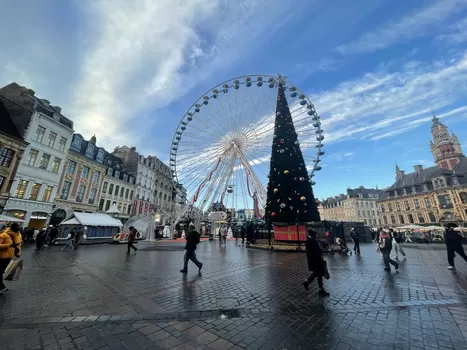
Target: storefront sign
(39,217)
(217,215)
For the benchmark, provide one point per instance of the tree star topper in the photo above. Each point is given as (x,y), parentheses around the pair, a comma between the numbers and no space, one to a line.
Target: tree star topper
(281,79)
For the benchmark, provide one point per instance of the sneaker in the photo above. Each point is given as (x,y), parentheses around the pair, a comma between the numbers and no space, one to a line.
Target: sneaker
(306,285)
(397,266)
(200,267)
(183,271)
(451,268)
(4,290)
(323,293)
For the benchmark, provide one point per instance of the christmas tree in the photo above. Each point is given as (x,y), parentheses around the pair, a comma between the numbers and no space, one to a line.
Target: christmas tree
(290,196)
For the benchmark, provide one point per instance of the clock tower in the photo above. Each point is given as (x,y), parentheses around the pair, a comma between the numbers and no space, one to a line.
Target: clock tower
(445,147)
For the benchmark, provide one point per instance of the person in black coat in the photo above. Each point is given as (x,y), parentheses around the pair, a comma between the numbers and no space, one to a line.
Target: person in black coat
(356,240)
(453,244)
(192,240)
(316,263)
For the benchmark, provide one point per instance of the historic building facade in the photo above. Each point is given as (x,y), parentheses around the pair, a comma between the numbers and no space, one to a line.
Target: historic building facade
(81,179)
(358,205)
(118,187)
(49,135)
(12,148)
(430,195)
(153,187)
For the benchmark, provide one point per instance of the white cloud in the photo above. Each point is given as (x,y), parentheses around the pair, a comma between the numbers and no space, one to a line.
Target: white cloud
(386,103)
(340,156)
(457,33)
(411,26)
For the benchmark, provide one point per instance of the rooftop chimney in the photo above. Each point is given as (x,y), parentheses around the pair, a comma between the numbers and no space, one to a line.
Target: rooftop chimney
(418,168)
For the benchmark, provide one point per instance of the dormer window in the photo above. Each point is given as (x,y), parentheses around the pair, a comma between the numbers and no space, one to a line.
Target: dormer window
(125,177)
(117,174)
(76,142)
(109,171)
(100,155)
(90,150)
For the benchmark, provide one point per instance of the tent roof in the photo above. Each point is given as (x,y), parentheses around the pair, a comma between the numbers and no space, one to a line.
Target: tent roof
(91,219)
(113,209)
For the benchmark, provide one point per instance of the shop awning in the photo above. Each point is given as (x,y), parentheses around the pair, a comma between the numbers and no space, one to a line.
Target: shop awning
(91,219)
(10,218)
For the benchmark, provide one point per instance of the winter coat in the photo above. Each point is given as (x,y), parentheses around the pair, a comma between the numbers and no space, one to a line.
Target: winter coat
(354,234)
(452,238)
(132,236)
(7,238)
(314,256)
(385,241)
(192,240)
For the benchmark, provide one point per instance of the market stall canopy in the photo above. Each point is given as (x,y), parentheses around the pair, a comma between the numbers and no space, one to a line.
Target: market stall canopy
(434,227)
(113,209)
(10,218)
(91,219)
(410,227)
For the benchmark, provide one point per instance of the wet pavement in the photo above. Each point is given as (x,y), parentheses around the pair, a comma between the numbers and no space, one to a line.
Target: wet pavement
(100,298)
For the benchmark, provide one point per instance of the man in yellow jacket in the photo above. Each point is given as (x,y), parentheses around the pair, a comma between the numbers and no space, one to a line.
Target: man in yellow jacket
(10,245)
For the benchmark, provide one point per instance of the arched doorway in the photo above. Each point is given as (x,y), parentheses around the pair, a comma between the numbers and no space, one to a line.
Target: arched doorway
(58,216)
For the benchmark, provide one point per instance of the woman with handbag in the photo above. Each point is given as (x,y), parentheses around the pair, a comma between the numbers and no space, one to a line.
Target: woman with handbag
(316,263)
(10,245)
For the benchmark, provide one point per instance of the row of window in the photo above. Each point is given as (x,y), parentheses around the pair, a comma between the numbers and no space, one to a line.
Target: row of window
(70,170)
(410,219)
(22,191)
(119,191)
(123,208)
(51,139)
(44,162)
(80,195)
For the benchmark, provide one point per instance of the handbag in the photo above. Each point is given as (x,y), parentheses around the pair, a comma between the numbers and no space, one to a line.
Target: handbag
(13,270)
(326,272)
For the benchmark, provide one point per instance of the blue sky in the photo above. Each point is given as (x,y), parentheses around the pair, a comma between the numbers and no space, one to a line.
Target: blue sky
(128,70)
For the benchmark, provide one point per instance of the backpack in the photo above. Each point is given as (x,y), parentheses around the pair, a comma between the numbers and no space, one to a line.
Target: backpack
(196,237)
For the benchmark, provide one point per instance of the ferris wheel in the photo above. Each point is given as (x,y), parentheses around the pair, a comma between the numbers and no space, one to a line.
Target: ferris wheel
(221,150)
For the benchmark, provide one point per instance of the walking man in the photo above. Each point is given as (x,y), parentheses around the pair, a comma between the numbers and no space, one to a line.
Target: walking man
(385,245)
(396,244)
(224,232)
(70,241)
(192,240)
(316,263)
(356,240)
(131,239)
(453,244)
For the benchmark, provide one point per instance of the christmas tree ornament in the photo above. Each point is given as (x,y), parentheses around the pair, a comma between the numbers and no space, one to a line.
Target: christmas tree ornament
(281,151)
(286,172)
(297,143)
(303,198)
(278,114)
(276,190)
(273,214)
(302,179)
(282,205)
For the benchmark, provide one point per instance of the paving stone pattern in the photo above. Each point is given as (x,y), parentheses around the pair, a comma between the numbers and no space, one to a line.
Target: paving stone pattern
(100,298)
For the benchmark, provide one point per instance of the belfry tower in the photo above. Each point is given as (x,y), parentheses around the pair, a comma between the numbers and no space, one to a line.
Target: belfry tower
(445,148)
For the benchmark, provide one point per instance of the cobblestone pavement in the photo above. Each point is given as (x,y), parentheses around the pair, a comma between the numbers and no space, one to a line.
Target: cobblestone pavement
(100,298)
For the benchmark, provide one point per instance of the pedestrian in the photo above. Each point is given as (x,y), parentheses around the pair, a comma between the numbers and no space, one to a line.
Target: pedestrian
(40,239)
(10,245)
(224,233)
(53,234)
(316,263)
(385,246)
(132,239)
(78,235)
(192,240)
(373,235)
(453,244)
(243,233)
(70,241)
(356,240)
(396,244)
(329,240)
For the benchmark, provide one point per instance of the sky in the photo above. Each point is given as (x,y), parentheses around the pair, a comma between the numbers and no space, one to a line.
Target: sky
(127,71)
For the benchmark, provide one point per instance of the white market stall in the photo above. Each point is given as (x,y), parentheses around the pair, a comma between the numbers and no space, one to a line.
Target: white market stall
(95,225)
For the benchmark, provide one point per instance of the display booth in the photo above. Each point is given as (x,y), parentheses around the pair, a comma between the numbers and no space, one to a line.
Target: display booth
(96,226)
